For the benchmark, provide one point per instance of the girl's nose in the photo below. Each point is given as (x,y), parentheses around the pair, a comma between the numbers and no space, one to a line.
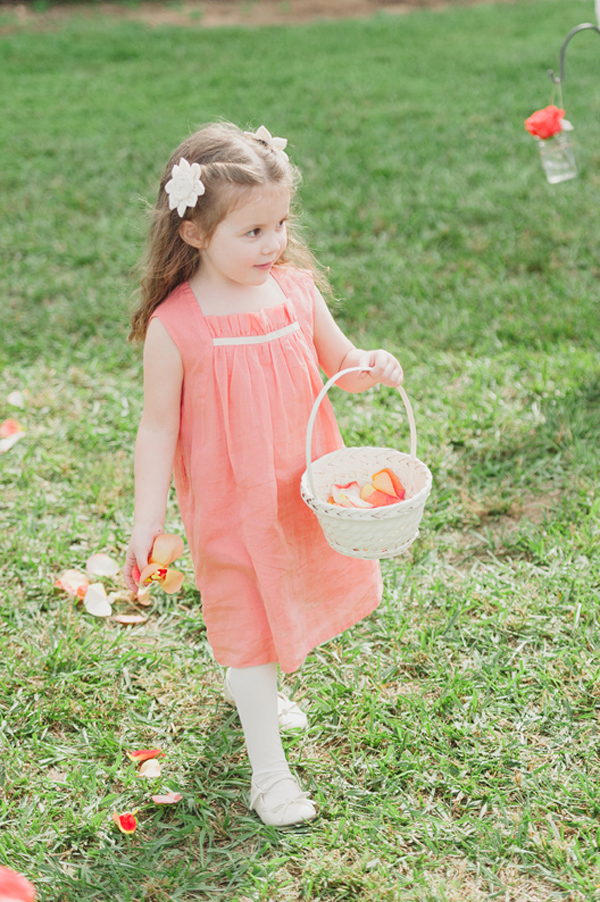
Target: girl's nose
(271,243)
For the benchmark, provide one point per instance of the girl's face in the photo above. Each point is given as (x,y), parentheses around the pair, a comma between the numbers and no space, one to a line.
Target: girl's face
(249,241)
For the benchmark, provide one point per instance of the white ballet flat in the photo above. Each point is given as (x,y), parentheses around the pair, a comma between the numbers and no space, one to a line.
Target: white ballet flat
(289,715)
(296,810)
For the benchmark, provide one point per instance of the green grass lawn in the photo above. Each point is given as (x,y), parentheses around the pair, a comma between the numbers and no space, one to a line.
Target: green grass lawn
(454,741)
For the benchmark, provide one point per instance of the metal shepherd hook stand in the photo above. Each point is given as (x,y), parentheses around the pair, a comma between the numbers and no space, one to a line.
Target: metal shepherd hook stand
(585,27)
(556,151)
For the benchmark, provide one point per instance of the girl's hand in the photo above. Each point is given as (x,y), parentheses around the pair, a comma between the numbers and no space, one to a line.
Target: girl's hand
(382,367)
(138,552)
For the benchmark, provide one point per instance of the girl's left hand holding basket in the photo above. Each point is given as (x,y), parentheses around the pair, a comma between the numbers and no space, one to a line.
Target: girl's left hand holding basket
(380,366)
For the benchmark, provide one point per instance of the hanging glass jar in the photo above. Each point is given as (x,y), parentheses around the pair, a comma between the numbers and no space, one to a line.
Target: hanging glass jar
(558,157)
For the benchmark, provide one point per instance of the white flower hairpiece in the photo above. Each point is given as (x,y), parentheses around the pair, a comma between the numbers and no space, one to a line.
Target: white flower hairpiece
(263,134)
(185,186)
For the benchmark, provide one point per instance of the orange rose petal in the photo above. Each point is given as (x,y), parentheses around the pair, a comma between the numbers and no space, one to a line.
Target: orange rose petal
(126,822)
(73,582)
(380,499)
(128,620)
(14,887)
(166,549)
(171,798)
(144,755)
(135,573)
(172,581)
(387,481)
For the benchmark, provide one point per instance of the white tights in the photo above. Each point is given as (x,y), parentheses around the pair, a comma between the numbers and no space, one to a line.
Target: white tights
(255,692)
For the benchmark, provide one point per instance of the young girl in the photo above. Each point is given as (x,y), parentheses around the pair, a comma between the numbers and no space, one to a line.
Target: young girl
(235,331)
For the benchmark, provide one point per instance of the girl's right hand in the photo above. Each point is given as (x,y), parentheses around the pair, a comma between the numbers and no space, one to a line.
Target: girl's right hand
(138,552)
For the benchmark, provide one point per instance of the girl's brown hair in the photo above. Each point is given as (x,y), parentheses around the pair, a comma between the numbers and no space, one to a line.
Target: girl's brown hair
(232,161)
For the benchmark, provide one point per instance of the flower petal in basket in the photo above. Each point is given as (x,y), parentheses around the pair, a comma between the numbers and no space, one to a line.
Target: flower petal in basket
(370,533)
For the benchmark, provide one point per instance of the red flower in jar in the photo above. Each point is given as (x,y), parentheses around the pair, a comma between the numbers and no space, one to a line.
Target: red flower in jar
(545,123)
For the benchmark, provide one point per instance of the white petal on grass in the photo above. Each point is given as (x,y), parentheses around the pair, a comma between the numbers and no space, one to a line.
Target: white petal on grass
(150,769)
(16,399)
(10,440)
(101,564)
(128,620)
(96,602)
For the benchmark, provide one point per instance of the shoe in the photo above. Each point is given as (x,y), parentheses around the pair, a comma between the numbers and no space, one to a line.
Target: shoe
(289,715)
(295,810)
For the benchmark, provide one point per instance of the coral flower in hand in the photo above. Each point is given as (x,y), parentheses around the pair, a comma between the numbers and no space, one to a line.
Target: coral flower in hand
(166,549)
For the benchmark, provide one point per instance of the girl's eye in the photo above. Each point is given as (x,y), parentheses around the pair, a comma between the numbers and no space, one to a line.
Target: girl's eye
(253,233)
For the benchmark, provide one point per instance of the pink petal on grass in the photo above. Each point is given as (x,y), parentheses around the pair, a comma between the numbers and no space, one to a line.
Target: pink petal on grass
(171,798)
(14,887)
(101,564)
(150,769)
(73,582)
(10,433)
(144,755)
(130,619)
(11,427)
(96,601)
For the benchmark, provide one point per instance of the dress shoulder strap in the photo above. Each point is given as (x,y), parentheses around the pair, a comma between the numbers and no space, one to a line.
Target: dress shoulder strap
(299,287)
(181,316)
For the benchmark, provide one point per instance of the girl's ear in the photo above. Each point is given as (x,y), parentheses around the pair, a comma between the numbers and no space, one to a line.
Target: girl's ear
(191,234)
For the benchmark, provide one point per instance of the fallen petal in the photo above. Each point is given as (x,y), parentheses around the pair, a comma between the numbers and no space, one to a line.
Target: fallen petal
(10,427)
(171,798)
(128,620)
(150,769)
(16,399)
(101,564)
(144,755)
(96,602)
(14,887)
(166,549)
(144,597)
(5,445)
(126,822)
(74,582)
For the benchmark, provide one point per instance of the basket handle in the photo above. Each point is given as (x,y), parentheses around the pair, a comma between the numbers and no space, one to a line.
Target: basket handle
(315,410)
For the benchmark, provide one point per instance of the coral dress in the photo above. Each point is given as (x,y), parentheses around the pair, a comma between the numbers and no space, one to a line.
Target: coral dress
(272,588)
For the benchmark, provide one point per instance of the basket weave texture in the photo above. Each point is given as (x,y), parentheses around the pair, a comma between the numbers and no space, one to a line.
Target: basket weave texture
(370,533)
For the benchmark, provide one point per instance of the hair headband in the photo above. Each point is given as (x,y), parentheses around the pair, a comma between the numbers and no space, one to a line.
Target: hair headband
(185,185)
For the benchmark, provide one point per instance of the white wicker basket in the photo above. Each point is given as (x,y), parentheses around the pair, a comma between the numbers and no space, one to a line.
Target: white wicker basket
(376,532)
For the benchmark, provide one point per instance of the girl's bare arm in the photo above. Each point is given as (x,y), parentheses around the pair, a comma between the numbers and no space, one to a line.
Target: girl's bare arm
(336,352)
(155,443)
